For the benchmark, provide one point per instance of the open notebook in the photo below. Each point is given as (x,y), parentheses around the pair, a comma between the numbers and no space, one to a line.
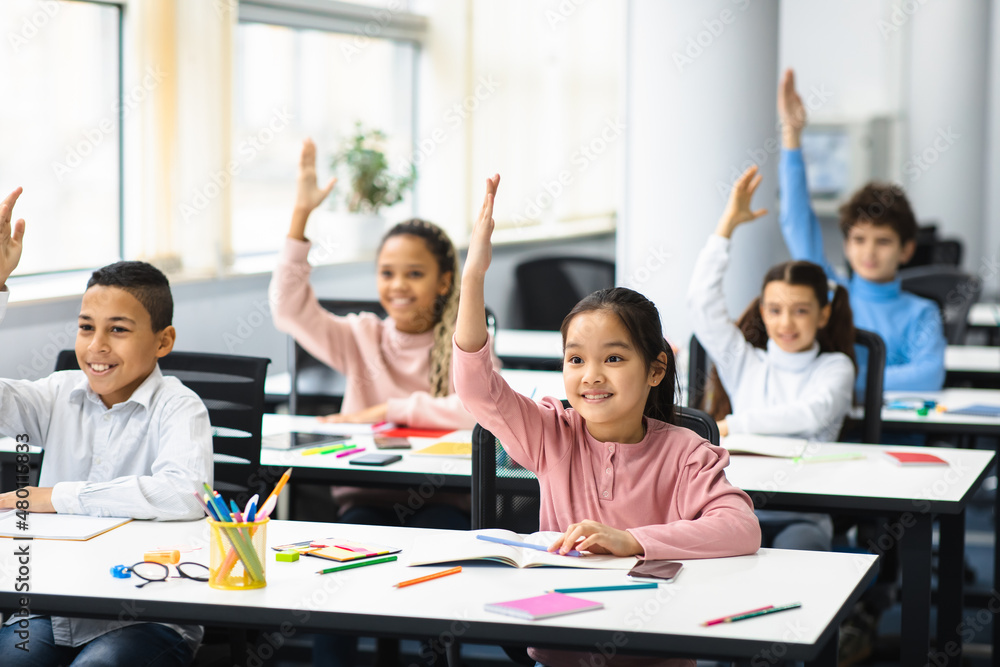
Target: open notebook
(765,445)
(464,546)
(57,526)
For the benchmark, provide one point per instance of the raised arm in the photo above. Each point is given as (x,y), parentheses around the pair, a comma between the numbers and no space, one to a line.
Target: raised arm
(470,331)
(10,245)
(308,194)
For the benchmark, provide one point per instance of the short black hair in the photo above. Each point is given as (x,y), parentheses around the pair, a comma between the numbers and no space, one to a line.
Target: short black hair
(143,281)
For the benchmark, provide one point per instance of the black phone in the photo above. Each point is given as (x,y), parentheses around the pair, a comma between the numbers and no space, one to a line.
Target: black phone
(655,570)
(387,442)
(376,459)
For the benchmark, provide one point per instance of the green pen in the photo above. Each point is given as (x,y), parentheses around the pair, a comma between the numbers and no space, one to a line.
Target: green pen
(829,457)
(596,589)
(337,448)
(349,566)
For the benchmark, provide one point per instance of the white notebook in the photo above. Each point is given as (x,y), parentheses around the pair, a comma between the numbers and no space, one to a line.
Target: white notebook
(57,526)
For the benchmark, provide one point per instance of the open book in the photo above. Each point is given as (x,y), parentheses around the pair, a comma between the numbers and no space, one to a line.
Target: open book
(465,545)
(765,445)
(56,526)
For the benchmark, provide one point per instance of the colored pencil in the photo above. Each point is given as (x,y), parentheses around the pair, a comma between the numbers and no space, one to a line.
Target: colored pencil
(753,614)
(360,563)
(597,589)
(436,575)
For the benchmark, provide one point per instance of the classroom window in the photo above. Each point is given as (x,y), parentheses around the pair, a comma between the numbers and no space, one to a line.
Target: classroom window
(61,110)
(309,83)
(548,112)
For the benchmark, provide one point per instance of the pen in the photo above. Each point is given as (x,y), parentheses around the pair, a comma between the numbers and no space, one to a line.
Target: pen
(436,575)
(753,613)
(596,589)
(350,451)
(387,559)
(829,457)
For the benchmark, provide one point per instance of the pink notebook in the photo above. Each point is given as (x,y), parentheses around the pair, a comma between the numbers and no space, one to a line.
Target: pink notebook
(915,458)
(543,606)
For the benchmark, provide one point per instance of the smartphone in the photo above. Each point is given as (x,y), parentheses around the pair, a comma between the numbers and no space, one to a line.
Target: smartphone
(376,459)
(655,570)
(295,439)
(387,442)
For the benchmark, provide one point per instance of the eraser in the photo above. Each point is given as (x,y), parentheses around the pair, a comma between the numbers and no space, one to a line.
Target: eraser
(922,412)
(166,556)
(287,556)
(121,572)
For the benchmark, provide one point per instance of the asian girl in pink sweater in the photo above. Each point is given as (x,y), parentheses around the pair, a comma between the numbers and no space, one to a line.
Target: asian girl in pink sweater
(616,475)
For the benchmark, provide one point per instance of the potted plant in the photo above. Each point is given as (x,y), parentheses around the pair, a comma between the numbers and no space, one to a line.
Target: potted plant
(361,165)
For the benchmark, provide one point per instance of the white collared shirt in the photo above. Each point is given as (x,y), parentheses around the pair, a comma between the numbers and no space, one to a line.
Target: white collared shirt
(143,458)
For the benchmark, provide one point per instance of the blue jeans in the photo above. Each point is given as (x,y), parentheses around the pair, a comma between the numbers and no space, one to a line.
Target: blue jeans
(143,644)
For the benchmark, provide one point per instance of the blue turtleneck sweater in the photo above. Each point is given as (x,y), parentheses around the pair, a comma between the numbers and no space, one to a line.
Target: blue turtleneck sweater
(910,325)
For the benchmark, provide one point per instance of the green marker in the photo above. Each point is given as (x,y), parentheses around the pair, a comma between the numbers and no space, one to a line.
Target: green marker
(350,566)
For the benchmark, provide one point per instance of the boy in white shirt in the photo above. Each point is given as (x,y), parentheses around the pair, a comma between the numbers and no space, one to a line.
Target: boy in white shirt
(120,439)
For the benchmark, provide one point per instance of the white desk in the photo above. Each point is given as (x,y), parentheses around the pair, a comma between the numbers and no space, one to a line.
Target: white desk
(984,315)
(533,349)
(944,422)
(665,620)
(975,364)
(912,495)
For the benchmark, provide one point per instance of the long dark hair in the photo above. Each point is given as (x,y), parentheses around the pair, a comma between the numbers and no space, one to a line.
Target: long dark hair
(642,321)
(836,336)
(446,306)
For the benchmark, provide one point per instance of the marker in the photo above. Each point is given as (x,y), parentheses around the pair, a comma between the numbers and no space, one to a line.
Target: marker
(436,575)
(597,589)
(349,566)
(349,452)
(326,449)
(340,448)
(753,613)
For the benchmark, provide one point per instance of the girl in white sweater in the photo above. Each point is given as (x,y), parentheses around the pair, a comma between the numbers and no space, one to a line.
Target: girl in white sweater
(786,366)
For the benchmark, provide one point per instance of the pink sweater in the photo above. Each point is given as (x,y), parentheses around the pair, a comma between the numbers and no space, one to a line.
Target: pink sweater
(669,491)
(382,364)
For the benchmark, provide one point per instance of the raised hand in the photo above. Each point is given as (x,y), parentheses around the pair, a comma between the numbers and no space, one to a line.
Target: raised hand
(308,194)
(791,110)
(738,209)
(10,239)
(597,538)
(480,246)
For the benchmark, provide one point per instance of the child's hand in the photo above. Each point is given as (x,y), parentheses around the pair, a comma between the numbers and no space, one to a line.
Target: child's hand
(738,209)
(39,499)
(308,194)
(480,247)
(10,241)
(597,538)
(791,110)
(723,428)
(372,415)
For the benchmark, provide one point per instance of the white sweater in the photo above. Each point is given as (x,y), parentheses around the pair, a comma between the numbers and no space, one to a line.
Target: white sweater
(802,394)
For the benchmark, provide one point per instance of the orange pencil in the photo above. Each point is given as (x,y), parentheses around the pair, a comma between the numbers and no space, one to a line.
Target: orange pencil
(280,485)
(436,575)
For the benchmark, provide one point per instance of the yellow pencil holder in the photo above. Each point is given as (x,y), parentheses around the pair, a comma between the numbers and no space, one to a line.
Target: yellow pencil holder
(237,561)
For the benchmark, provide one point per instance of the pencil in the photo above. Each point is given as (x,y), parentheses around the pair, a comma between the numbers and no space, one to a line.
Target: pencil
(280,485)
(723,619)
(362,563)
(596,589)
(754,613)
(436,575)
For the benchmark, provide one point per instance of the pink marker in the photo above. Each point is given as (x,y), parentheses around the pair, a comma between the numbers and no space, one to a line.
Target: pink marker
(350,451)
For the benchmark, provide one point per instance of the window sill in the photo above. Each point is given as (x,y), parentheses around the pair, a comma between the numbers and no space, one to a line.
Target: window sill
(55,287)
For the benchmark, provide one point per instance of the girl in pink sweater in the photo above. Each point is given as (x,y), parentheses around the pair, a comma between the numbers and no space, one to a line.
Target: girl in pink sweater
(616,475)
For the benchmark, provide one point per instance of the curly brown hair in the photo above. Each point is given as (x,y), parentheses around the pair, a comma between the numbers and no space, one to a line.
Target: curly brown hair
(880,204)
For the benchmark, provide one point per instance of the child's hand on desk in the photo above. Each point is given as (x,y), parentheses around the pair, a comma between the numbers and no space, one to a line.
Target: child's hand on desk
(372,415)
(10,240)
(597,538)
(39,499)
(308,194)
(738,209)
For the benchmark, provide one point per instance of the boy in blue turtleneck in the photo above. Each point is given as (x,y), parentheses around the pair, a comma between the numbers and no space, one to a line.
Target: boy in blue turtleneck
(879,235)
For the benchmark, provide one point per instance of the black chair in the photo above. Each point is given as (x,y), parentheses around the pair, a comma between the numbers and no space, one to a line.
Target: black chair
(548,287)
(505,495)
(872,350)
(232,388)
(953,290)
(315,387)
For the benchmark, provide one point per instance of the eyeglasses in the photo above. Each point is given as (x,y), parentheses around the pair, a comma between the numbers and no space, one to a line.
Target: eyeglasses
(151,571)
